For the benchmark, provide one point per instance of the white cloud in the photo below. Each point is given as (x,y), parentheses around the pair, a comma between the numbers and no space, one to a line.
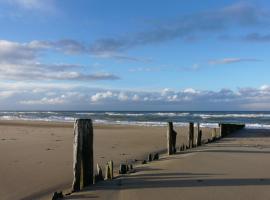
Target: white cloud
(231,60)
(122,96)
(101,96)
(190,90)
(6,94)
(45,101)
(31,4)
(135,97)
(19,61)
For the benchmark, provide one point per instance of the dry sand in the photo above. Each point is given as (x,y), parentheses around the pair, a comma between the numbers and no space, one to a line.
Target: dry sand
(36,157)
(236,167)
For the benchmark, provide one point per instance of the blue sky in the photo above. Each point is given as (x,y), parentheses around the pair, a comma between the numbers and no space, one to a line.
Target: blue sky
(134,55)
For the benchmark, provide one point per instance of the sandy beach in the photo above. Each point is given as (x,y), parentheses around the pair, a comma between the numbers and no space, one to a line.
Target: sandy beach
(235,167)
(36,157)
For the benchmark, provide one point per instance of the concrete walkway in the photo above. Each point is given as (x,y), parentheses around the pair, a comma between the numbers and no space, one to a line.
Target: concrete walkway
(236,167)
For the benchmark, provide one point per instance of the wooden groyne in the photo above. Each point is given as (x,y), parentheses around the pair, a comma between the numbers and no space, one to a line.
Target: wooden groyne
(83,170)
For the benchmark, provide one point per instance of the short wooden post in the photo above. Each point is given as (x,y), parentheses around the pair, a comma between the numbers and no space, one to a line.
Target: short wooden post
(221,130)
(156,156)
(150,157)
(123,169)
(171,139)
(82,154)
(110,163)
(191,134)
(109,170)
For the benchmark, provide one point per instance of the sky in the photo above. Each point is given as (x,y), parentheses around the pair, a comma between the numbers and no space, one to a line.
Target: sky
(134,55)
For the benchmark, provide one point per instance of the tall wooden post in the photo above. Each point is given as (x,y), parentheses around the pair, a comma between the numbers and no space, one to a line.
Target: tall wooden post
(191,134)
(171,139)
(199,140)
(82,154)
(197,135)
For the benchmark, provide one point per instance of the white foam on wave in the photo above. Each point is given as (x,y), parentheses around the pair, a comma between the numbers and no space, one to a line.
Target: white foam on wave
(209,125)
(124,114)
(207,116)
(258,126)
(31,118)
(86,113)
(170,114)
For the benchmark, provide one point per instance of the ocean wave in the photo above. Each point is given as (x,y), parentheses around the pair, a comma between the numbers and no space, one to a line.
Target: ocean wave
(258,126)
(31,118)
(124,114)
(170,114)
(86,113)
(207,116)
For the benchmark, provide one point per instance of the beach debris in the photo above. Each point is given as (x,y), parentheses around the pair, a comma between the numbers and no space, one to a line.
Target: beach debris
(83,154)
(57,195)
(109,170)
(171,139)
(144,162)
(150,157)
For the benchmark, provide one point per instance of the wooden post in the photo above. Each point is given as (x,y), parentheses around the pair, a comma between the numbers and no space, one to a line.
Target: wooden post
(171,139)
(199,140)
(110,163)
(156,156)
(191,134)
(123,169)
(221,131)
(150,157)
(82,154)
(107,172)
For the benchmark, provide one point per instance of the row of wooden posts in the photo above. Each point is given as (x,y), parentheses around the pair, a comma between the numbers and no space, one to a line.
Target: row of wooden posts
(83,173)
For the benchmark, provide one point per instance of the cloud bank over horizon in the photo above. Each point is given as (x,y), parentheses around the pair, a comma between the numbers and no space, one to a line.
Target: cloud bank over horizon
(63,96)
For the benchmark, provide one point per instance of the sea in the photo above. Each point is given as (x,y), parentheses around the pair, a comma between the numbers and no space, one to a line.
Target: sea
(252,119)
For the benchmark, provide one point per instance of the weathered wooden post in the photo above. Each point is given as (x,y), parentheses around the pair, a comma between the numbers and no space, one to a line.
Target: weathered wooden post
(110,163)
(221,131)
(199,140)
(191,134)
(82,154)
(171,139)
(109,170)
(150,157)
(198,133)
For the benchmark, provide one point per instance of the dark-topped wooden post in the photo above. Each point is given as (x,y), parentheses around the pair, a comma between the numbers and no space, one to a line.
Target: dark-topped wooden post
(171,139)
(191,134)
(82,154)
(198,133)
(199,140)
